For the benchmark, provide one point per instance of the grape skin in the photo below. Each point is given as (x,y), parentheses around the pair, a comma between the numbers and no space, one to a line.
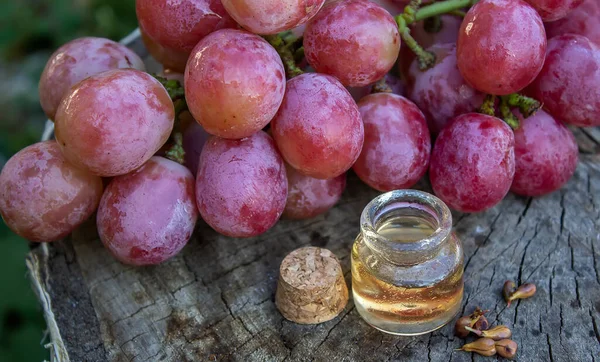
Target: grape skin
(177,26)
(551,10)
(501,46)
(356,41)
(582,21)
(44,198)
(473,163)
(441,91)
(568,83)
(546,155)
(241,187)
(234,83)
(318,127)
(147,216)
(397,144)
(77,60)
(113,122)
(271,16)
(308,197)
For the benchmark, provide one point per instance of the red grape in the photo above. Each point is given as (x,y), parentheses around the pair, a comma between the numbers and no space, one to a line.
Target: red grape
(582,21)
(501,46)
(397,142)
(194,138)
(271,16)
(113,122)
(169,58)
(318,127)
(241,185)
(441,92)
(356,41)
(147,216)
(551,10)
(77,60)
(42,196)
(448,33)
(568,83)
(545,155)
(473,162)
(175,27)
(234,83)
(308,197)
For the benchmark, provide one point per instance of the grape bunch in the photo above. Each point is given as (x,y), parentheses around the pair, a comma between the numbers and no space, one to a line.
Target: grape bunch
(263,106)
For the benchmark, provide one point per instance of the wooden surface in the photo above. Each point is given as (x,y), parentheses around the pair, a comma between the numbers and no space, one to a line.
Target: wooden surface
(215,300)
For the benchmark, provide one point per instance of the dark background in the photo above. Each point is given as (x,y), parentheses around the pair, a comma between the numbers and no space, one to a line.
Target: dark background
(30,30)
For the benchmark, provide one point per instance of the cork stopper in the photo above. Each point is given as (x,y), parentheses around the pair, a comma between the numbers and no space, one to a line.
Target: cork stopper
(311,287)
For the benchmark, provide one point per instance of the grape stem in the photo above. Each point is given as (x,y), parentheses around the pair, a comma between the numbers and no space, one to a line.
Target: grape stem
(528,106)
(285,52)
(489,105)
(507,114)
(441,7)
(176,152)
(425,59)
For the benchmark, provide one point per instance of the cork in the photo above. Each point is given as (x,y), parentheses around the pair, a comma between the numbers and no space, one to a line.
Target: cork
(311,287)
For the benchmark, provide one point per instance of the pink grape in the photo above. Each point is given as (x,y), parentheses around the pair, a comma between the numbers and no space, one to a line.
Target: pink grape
(241,185)
(318,127)
(545,155)
(397,142)
(42,196)
(308,197)
(271,16)
(77,60)
(169,58)
(448,33)
(194,138)
(582,21)
(473,162)
(551,10)
(501,46)
(234,83)
(147,216)
(568,83)
(441,91)
(113,122)
(175,27)
(356,41)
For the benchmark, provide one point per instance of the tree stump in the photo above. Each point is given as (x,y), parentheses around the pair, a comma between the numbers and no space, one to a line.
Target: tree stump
(215,300)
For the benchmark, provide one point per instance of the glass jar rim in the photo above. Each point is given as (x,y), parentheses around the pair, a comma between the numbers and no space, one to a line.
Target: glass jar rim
(385,246)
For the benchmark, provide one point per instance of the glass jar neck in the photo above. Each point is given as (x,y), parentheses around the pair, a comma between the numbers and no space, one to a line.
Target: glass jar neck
(406,227)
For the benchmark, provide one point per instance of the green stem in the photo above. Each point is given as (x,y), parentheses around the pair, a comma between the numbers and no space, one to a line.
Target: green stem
(176,152)
(286,54)
(489,105)
(528,106)
(460,13)
(442,7)
(507,114)
(425,59)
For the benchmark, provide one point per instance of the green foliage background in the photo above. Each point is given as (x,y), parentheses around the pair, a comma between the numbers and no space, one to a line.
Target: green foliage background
(30,30)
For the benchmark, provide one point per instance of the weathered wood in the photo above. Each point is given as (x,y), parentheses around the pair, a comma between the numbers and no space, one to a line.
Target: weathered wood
(215,301)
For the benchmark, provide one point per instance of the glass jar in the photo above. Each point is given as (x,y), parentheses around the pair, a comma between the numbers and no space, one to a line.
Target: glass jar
(407,264)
